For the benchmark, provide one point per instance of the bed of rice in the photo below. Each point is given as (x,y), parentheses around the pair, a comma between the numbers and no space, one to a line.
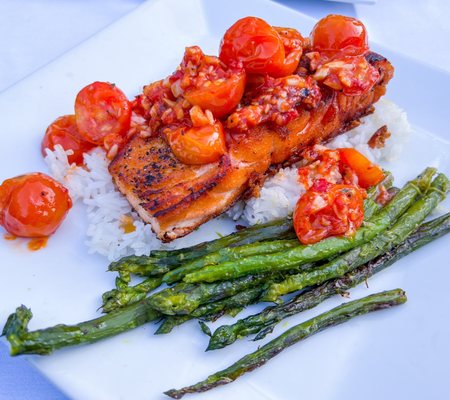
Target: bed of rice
(107,209)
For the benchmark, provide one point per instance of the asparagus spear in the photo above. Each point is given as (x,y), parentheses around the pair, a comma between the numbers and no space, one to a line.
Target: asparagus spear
(318,251)
(212,311)
(297,333)
(264,322)
(161,261)
(228,254)
(125,295)
(184,298)
(45,341)
(347,262)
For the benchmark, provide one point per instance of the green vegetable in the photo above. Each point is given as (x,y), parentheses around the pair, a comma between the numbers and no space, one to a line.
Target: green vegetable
(212,311)
(324,249)
(264,322)
(45,341)
(297,333)
(125,295)
(184,298)
(382,243)
(139,265)
(229,254)
(162,261)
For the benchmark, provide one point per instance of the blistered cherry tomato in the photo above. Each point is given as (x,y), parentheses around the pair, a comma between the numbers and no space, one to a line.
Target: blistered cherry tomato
(368,173)
(198,145)
(256,44)
(339,35)
(64,131)
(207,82)
(33,205)
(293,49)
(327,210)
(103,114)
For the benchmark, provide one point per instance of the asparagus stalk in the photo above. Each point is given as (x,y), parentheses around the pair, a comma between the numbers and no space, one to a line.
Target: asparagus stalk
(318,251)
(125,295)
(161,261)
(212,311)
(347,262)
(139,265)
(297,333)
(264,322)
(228,254)
(45,341)
(184,298)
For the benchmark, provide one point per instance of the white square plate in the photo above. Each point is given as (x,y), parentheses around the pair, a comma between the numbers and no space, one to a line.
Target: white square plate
(401,353)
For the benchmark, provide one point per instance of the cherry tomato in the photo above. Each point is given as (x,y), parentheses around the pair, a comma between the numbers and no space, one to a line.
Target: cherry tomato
(64,131)
(328,209)
(208,83)
(256,44)
(293,48)
(198,145)
(33,205)
(368,173)
(339,35)
(103,114)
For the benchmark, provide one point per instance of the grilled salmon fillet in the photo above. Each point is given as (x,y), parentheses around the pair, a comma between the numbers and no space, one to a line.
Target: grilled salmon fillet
(177,198)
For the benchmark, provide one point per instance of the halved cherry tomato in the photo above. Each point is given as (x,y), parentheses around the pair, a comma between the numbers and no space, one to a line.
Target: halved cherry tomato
(103,114)
(293,49)
(368,173)
(339,35)
(326,210)
(256,44)
(64,131)
(207,82)
(33,205)
(202,143)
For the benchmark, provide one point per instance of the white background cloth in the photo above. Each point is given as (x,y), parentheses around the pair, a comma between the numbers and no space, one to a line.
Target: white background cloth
(35,32)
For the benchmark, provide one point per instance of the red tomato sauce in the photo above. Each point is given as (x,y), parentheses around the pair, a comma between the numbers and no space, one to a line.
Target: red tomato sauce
(334,201)
(37,243)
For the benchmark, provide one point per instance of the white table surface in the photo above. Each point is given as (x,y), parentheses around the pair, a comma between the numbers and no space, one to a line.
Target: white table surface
(35,32)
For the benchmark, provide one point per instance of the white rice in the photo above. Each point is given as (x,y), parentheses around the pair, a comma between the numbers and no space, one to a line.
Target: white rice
(107,207)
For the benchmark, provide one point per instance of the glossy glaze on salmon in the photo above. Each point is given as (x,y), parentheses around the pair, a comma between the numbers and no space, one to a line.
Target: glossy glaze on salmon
(177,198)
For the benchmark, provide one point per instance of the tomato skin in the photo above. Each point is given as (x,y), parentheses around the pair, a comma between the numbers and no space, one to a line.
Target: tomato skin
(103,114)
(339,35)
(293,47)
(207,82)
(64,131)
(368,173)
(33,205)
(220,97)
(198,144)
(328,209)
(256,44)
